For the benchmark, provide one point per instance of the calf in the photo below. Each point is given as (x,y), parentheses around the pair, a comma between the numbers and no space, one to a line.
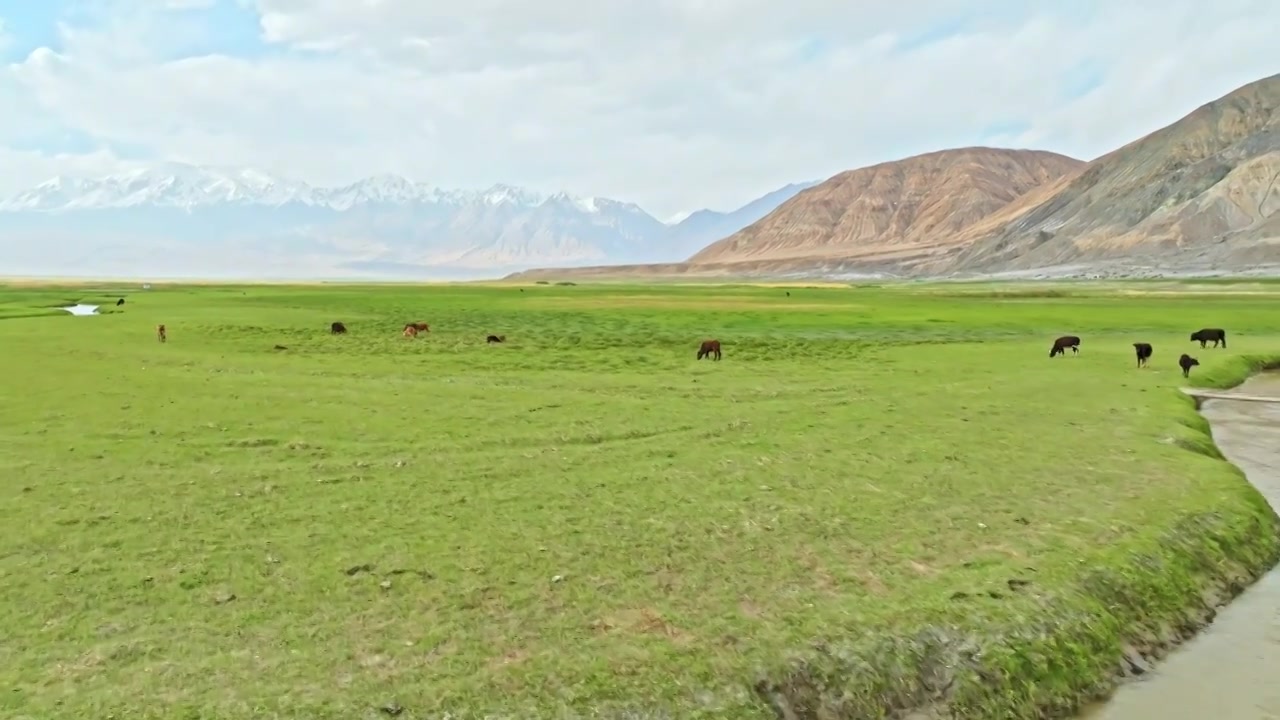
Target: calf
(1217,335)
(419,326)
(161,335)
(709,348)
(338,328)
(1144,352)
(1061,344)
(495,339)
(1186,362)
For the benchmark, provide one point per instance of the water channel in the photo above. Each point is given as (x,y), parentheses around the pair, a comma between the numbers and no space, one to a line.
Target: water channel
(1231,670)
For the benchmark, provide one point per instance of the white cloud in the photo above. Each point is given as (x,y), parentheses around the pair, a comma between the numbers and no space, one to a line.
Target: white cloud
(675,104)
(37,166)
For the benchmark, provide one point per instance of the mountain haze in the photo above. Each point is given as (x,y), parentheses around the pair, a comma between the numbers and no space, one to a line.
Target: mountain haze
(1200,195)
(181,219)
(703,227)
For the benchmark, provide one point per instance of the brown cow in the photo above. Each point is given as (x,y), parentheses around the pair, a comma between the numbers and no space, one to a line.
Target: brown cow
(1217,335)
(1061,344)
(495,339)
(419,326)
(709,348)
(161,335)
(1186,362)
(338,328)
(410,331)
(1143,351)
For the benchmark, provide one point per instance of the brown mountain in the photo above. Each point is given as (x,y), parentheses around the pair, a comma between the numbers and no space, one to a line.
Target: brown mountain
(908,209)
(1202,193)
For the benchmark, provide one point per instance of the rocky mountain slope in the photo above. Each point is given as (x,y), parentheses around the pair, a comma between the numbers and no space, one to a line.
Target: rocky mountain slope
(176,217)
(908,207)
(703,227)
(1201,195)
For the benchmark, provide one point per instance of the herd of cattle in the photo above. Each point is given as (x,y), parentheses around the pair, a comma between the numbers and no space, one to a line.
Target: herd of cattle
(711,348)
(1143,350)
(411,330)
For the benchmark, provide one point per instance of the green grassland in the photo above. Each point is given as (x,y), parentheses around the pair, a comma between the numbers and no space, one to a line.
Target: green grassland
(884,497)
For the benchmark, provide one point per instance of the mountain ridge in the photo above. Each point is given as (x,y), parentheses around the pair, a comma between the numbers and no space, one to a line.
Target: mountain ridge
(182,185)
(893,205)
(1200,195)
(154,217)
(1202,190)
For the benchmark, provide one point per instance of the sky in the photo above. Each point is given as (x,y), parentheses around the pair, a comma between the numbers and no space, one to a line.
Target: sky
(673,104)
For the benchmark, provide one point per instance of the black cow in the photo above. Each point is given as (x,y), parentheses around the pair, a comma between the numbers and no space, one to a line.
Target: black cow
(1061,344)
(496,339)
(1144,352)
(119,302)
(1186,362)
(337,328)
(1217,335)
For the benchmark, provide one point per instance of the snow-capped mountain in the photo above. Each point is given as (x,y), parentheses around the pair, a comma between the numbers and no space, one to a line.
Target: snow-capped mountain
(177,185)
(236,221)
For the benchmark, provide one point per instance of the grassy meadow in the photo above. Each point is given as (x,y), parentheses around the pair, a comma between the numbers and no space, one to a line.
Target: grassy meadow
(883,497)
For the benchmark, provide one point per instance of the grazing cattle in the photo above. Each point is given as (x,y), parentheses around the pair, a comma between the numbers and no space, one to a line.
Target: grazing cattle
(281,347)
(788,293)
(161,334)
(1144,352)
(495,339)
(1186,362)
(119,302)
(1217,335)
(709,348)
(410,331)
(1061,344)
(337,328)
(419,326)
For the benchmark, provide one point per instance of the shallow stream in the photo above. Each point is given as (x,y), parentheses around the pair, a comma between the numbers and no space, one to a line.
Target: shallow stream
(1231,670)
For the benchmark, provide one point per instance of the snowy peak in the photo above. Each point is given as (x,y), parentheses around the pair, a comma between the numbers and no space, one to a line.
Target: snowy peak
(509,195)
(193,216)
(177,185)
(170,184)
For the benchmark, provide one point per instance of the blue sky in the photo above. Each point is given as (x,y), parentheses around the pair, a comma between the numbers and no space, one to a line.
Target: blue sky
(673,106)
(29,25)
(225,26)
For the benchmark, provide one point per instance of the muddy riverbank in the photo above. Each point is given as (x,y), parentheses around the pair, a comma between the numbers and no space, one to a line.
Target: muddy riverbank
(1228,671)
